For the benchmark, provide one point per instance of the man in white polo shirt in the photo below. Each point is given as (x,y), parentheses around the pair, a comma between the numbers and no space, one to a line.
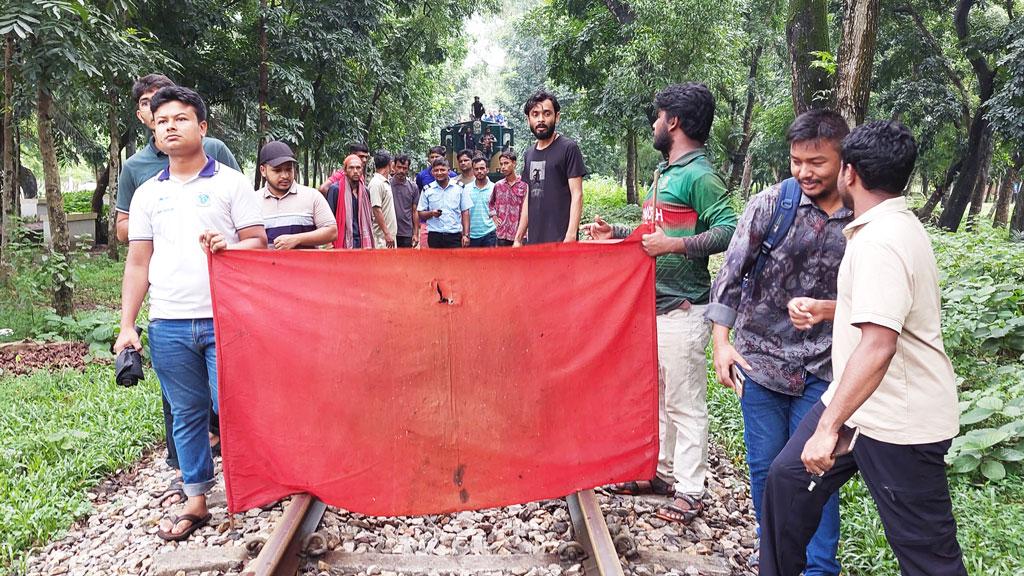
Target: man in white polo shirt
(295,216)
(892,380)
(193,207)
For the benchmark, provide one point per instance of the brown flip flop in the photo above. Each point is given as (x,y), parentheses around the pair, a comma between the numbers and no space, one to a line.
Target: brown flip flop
(197,522)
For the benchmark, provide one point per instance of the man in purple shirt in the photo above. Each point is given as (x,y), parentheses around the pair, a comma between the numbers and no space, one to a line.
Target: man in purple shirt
(785,362)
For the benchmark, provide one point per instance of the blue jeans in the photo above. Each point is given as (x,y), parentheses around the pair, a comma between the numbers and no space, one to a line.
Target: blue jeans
(769,419)
(185,361)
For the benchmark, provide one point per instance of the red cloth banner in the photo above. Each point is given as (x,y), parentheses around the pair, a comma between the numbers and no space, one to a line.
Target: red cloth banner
(404,382)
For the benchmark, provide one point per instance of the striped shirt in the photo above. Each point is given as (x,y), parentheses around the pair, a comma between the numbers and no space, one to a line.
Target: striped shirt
(301,210)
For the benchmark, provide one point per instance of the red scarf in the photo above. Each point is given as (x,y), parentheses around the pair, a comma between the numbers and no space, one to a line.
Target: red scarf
(344,218)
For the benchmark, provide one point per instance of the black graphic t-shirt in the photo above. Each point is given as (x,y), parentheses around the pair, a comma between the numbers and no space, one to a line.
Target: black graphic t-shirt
(547,172)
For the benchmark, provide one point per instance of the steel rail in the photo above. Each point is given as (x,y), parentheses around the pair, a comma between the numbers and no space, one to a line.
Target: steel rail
(591,532)
(280,554)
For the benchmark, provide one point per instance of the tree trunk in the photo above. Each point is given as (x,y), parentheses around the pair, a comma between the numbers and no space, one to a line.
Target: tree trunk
(1002,212)
(631,195)
(856,55)
(924,213)
(114,173)
(739,168)
(748,170)
(806,32)
(7,184)
(62,294)
(102,180)
(981,183)
(979,141)
(263,90)
(1017,220)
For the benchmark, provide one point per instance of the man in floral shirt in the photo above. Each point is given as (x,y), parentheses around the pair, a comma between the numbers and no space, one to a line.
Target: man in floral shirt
(507,201)
(781,343)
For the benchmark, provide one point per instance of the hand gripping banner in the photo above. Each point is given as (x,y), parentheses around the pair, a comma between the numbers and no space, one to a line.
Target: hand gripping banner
(407,382)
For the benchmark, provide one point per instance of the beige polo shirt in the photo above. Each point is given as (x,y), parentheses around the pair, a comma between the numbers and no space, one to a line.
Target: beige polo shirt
(381,197)
(301,210)
(888,277)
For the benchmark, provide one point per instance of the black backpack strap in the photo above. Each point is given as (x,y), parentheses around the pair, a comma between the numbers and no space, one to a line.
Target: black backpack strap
(782,221)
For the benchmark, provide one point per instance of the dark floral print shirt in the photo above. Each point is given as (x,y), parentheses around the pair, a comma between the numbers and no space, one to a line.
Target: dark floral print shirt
(804,263)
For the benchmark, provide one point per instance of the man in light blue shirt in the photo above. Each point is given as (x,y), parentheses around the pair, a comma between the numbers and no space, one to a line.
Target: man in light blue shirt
(444,207)
(482,231)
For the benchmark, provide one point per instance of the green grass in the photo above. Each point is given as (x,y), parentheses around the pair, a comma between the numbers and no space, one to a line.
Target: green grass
(60,433)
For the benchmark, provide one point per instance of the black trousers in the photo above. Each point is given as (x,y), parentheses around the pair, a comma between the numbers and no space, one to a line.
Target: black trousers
(444,239)
(503,242)
(172,450)
(909,487)
(403,241)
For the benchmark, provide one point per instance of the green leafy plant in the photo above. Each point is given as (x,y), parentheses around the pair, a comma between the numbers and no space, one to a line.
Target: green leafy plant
(98,328)
(993,443)
(78,201)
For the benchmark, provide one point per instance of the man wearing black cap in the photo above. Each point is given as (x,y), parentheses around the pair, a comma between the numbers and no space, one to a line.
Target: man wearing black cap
(295,216)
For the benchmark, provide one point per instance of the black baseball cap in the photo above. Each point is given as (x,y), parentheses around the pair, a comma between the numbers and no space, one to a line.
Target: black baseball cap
(276,153)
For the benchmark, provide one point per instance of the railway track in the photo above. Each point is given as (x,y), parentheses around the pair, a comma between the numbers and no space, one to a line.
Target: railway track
(296,543)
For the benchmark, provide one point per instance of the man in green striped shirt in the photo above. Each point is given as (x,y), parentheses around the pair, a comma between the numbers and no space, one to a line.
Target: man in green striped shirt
(690,207)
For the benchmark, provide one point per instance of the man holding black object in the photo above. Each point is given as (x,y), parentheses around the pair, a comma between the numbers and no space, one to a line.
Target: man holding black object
(444,208)
(893,380)
(779,364)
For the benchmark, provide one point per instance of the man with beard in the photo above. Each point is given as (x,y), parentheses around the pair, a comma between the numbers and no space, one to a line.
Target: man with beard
(689,206)
(554,171)
(786,362)
(357,148)
(407,195)
(465,161)
(893,382)
(350,202)
(295,216)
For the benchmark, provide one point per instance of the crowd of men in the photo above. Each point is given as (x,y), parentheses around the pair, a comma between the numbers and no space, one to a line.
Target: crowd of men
(829,290)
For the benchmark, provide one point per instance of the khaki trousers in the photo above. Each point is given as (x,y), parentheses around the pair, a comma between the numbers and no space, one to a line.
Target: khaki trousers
(683,336)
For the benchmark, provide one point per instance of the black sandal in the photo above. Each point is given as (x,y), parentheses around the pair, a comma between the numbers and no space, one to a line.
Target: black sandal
(673,513)
(655,486)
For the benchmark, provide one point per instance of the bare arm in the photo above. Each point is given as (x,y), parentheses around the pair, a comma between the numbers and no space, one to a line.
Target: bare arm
(133,291)
(318,237)
(465,228)
(524,221)
(724,355)
(415,225)
(122,226)
(864,372)
(575,208)
(806,312)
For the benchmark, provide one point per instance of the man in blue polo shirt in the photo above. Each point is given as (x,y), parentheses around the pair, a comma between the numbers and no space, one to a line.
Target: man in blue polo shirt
(426,176)
(193,207)
(149,161)
(444,207)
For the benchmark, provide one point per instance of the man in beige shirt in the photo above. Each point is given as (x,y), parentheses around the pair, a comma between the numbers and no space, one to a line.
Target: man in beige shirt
(892,380)
(385,224)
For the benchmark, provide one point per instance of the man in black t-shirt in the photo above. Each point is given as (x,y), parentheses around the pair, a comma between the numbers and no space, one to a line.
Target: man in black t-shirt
(553,168)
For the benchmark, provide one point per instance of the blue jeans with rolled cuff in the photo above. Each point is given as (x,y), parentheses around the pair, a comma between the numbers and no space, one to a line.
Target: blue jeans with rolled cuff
(185,361)
(769,419)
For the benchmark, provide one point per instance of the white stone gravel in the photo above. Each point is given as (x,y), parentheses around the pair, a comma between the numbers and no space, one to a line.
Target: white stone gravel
(119,536)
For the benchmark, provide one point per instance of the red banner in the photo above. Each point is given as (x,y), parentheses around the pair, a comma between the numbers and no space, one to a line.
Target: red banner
(402,382)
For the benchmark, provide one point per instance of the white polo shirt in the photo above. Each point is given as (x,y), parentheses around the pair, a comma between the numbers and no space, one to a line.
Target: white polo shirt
(888,277)
(173,214)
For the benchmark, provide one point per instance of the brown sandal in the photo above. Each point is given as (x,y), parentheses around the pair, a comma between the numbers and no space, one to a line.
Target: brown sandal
(196,522)
(675,513)
(655,486)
